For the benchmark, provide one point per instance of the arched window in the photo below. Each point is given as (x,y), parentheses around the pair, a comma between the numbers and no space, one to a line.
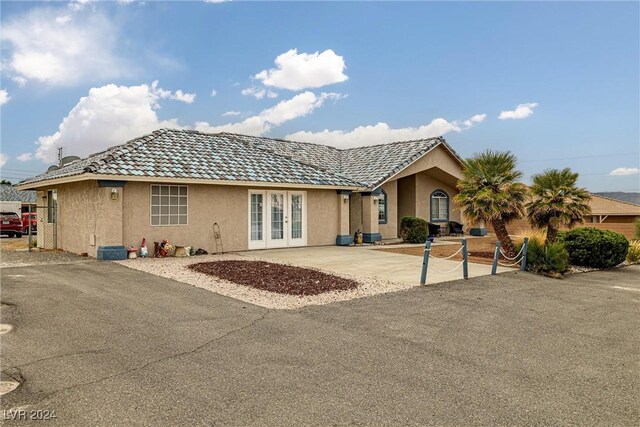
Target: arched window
(382,207)
(439,206)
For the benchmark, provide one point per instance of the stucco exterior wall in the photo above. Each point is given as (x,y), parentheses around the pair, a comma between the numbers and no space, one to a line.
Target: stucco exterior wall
(323,217)
(355,213)
(425,185)
(406,197)
(438,157)
(390,229)
(206,205)
(226,205)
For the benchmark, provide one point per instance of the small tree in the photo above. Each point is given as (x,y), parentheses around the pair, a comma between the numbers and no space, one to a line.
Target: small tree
(557,201)
(490,192)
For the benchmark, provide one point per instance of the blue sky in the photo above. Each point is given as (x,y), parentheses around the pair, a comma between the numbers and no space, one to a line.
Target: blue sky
(81,75)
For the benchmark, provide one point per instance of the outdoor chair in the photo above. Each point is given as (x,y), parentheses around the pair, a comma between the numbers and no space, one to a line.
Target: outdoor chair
(455,228)
(434,230)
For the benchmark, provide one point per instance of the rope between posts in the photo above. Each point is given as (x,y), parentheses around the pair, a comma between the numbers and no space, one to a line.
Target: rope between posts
(509,265)
(449,271)
(514,258)
(449,257)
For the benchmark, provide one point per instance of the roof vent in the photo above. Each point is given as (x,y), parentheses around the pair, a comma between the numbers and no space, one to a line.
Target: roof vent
(53,168)
(68,159)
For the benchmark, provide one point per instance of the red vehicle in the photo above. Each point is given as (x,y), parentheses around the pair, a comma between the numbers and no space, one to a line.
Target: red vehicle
(10,224)
(26,223)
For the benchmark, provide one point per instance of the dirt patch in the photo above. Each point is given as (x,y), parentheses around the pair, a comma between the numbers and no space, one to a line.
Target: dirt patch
(480,250)
(15,244)
(278,278)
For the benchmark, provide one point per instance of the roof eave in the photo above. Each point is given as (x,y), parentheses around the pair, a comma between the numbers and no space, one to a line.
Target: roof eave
(92,176)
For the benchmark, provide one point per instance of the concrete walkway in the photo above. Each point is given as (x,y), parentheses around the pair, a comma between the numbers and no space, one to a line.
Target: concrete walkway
(368,261)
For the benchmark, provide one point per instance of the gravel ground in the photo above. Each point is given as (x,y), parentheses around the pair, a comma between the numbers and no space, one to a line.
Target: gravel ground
(24,258)
(176,269)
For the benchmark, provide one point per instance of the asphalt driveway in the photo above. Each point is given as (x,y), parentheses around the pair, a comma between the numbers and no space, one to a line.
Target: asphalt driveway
(101,344)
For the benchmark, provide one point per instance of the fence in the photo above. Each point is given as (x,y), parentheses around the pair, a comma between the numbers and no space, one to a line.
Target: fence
(427,255)
(520,258)
(44,234)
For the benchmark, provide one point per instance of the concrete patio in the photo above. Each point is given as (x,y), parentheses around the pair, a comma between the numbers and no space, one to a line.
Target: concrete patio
(370,261)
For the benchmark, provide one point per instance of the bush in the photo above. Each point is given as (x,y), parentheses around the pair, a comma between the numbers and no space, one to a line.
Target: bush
(548,259)
(414,230)
(637,228)
(633,255)
(591,247)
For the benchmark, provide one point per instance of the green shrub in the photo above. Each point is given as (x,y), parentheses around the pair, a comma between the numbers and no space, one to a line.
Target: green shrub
(549,259)
(637,228)
(633,255)
(591,247)
(414,230)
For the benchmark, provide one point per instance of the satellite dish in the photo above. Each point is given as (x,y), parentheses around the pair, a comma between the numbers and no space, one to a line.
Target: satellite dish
(53,168)
(68,159)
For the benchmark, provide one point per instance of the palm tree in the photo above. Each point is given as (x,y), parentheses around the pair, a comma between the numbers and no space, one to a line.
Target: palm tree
(489,192)
(557,201)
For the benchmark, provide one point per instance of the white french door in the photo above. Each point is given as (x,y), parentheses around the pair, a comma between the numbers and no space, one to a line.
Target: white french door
(277,219)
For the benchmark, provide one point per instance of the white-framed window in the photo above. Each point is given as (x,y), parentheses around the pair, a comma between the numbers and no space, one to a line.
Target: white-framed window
(439,206)
(169,204)
(382,207)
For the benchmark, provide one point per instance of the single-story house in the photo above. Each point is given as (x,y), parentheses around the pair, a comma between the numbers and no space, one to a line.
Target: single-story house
(14,200)
(262,192)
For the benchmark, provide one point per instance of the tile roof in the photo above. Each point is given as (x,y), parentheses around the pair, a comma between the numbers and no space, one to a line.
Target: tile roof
(172,153)
(8,193)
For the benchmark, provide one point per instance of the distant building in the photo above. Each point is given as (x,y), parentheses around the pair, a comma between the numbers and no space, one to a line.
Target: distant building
(13,200)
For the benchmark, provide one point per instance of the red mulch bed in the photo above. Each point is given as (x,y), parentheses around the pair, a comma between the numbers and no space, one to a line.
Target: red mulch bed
(279,278)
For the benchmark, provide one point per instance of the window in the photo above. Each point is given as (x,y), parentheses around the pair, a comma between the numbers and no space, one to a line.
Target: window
(439,206)
(169,205)
(382,207)
(52,206)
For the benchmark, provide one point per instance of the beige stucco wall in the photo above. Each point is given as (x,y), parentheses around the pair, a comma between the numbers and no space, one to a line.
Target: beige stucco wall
(390,229)
(438,157)
(323,217)
(207,204)
(425,185)
(406,197)
(226,205)
(355,213)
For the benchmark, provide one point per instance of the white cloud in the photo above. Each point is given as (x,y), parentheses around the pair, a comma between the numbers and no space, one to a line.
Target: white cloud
(286,110)
(382,133)
(522,111)
(3,159)
(258,93)
(305,70)
(231,113)
(77,5)
(214,92)
(178,95)
(43,46)
(25,157)
(187,98)
(216,1)
(4,97)
(63,19)
(478,118)
(107,116)
(624,171)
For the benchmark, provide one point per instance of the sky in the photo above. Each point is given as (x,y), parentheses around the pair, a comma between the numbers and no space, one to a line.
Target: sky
(557,84)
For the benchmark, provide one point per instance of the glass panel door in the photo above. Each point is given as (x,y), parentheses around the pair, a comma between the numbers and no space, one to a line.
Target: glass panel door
(256,217)
(297,215)
(277,219)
